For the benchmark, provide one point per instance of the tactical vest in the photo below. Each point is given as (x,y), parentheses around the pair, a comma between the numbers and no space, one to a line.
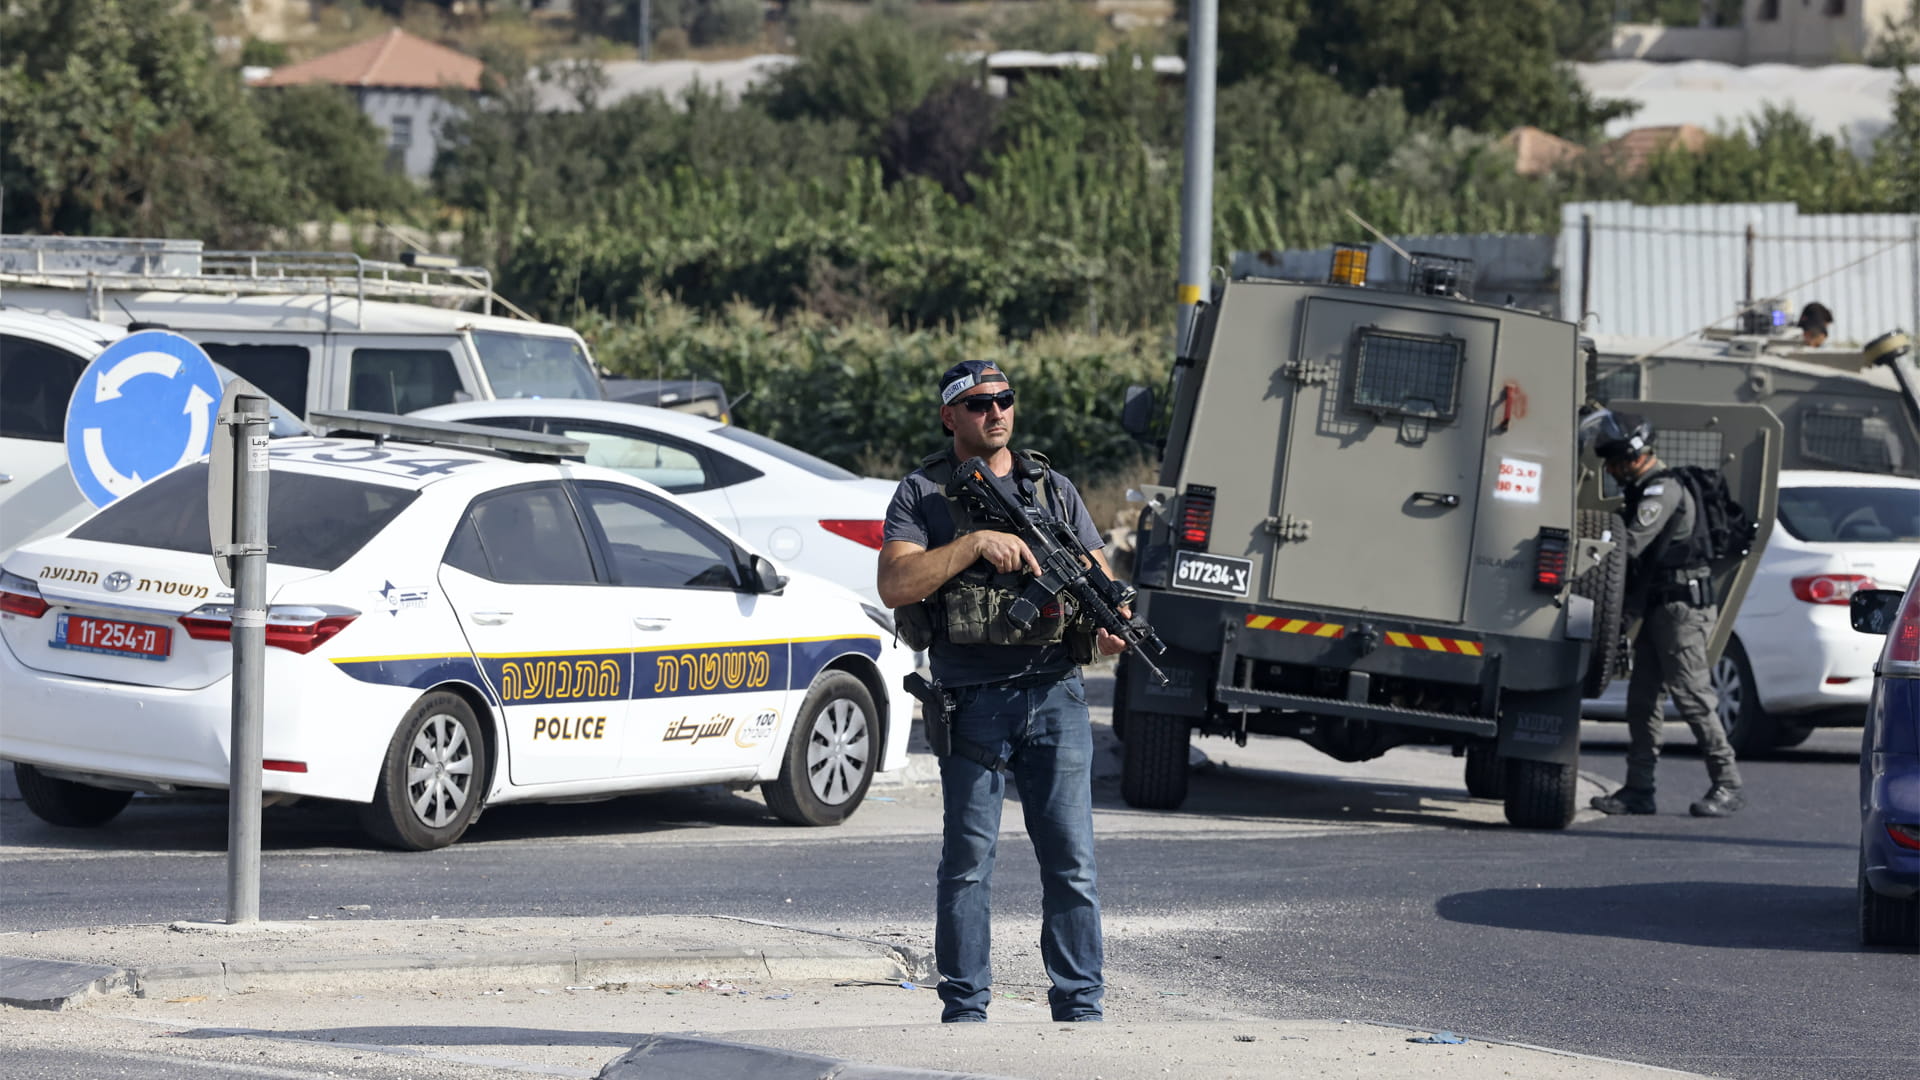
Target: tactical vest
(1675,549)
(970,609)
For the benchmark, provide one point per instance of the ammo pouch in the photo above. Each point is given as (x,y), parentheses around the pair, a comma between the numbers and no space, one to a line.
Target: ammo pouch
(976,614)
(915,625)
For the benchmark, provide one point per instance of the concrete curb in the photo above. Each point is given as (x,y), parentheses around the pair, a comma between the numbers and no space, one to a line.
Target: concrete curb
(55,984)
(680,1057)
(51,984)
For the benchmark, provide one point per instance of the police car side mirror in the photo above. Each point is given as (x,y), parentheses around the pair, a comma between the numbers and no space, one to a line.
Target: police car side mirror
(1136,412)
(762,577)
(1872,610)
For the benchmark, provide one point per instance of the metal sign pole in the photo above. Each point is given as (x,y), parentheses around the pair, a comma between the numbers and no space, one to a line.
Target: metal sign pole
(247,426)
(1196,192)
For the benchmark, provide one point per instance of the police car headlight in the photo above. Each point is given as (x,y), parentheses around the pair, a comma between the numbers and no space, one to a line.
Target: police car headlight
(882,619)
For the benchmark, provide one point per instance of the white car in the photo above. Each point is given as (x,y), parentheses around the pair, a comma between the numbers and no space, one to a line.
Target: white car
(449,629)
(807,513)
(1794,662)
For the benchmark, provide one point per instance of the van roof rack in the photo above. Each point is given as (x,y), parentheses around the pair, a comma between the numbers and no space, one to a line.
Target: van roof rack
(102,264)
(526,445)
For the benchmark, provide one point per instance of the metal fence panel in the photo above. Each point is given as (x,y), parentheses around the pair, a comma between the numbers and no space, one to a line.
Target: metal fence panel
(1667,271)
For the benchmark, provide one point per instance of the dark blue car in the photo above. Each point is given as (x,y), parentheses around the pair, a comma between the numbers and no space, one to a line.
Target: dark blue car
(1890,770)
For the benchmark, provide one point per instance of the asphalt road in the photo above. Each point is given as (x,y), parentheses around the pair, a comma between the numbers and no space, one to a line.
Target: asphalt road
(1724,947)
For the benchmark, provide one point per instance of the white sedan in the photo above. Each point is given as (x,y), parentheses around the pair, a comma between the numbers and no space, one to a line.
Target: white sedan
(807,513)
(449,629)
(1794,662)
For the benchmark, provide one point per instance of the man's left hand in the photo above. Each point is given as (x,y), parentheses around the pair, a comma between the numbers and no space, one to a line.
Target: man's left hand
(1108,644)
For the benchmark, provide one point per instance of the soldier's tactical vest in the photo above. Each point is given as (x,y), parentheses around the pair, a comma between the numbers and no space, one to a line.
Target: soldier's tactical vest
(970,609)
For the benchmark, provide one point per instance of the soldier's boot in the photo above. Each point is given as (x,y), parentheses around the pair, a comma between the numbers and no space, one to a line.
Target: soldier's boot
(1625,801)
(1719,801)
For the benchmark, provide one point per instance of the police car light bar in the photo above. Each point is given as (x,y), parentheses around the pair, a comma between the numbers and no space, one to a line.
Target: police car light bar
(447,433)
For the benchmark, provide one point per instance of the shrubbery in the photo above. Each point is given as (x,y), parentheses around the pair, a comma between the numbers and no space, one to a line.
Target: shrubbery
(862,395)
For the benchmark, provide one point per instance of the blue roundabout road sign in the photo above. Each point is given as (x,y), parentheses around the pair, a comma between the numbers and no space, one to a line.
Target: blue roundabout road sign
(143,406)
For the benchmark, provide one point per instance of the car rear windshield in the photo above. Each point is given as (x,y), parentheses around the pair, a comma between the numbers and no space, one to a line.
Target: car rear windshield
(316,522)
(1852,515)
(799,459)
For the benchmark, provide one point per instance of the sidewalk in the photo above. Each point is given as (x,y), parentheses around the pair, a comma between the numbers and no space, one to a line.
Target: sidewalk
(682,996)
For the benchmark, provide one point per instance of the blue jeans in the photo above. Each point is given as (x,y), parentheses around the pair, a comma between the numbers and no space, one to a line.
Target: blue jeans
(1044,734)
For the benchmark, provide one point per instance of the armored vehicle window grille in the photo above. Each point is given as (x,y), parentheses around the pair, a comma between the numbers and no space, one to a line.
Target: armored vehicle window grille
(1620,381)
(1676,446)
(1407,374)
(1849,440)
(1689,447)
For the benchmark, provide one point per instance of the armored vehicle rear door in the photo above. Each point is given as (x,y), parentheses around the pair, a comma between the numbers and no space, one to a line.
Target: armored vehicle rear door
(1742,441)
(1383,457)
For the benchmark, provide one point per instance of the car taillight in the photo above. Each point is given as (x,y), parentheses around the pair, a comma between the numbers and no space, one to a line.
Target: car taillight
(1829,588)
(1907,836)
(297,628)
(862,532)
(1550,559)
(1193,527)
(1902,658)
(21,596)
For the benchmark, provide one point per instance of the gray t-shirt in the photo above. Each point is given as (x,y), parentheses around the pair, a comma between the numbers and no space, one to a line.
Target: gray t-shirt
(920,514)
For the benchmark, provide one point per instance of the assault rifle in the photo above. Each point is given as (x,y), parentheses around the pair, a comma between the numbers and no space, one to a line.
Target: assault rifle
(1066,566)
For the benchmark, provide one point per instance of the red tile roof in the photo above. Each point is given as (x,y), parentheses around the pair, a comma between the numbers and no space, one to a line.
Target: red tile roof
(1537,152)
(395,59)
(1631,151)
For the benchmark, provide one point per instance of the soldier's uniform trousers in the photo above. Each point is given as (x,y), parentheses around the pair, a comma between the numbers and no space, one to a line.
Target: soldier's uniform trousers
(1670,658)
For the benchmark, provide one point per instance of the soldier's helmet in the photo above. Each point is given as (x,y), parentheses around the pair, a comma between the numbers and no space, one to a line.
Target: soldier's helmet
(1617,436)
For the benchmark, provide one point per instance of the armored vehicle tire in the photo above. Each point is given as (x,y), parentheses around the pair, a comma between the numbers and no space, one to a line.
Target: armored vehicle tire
(1885,920)
(830,756)
(434,777)
(1153,774)
(1606,586)
(1540,794)
(1486,772)
(66,803)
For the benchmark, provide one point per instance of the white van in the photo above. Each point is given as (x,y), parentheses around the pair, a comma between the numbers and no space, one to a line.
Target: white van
(314,330)
(41,357)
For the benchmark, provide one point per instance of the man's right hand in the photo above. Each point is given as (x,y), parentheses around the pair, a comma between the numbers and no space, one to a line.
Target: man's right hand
(1005,551)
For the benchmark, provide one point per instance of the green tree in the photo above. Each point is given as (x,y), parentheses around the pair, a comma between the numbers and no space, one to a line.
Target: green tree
(1484,66)
(866,72)
(335,157)
(121,119)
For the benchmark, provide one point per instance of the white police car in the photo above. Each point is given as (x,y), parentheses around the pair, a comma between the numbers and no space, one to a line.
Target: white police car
(449,629)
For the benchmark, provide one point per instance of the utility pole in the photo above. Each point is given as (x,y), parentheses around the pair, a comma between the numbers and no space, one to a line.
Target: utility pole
(646,29)
(1196,193)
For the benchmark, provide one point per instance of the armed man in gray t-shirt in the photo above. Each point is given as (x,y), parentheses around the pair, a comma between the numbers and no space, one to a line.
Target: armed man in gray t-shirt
(1016,694)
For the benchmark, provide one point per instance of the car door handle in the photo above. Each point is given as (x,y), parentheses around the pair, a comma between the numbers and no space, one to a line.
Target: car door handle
(491,618)
(1440,498)
(650,622)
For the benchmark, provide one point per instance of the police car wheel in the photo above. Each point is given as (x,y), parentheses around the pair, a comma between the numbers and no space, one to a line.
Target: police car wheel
(66,803)
(830,755)
(433,779)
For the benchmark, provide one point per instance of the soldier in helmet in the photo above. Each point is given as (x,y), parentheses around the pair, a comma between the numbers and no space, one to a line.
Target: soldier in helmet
(1669,585)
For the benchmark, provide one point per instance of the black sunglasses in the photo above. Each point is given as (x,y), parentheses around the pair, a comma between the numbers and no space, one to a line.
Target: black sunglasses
(977,404)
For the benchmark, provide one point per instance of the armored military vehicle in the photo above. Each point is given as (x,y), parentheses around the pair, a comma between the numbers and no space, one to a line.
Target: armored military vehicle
(1847,409)
(1374,526)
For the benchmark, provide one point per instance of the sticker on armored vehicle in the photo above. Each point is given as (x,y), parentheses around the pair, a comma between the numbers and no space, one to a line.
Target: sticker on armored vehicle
(1212,573)
(1519,480)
